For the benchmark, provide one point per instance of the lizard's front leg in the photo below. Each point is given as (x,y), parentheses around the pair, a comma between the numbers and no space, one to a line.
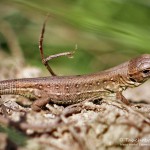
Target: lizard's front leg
(120,97)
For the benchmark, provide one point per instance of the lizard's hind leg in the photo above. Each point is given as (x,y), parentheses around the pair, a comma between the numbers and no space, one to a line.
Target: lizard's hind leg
(45,60)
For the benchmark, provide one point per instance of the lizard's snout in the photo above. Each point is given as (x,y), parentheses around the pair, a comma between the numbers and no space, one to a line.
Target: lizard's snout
(139,68)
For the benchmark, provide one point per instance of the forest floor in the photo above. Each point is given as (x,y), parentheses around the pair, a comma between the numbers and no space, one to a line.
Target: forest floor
(85,126)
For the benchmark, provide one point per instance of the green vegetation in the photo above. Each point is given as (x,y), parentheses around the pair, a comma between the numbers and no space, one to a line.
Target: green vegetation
(107,32)
(15,136)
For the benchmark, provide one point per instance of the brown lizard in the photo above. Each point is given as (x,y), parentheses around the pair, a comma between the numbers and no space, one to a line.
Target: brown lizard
(106,84)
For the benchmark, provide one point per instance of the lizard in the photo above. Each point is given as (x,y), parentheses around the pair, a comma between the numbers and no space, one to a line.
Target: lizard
(67,90)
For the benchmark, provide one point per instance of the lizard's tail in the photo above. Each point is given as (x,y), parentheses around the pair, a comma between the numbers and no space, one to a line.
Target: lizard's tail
(23,87)
(8,87)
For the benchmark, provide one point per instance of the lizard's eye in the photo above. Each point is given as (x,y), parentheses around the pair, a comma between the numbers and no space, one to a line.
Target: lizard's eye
(146,71)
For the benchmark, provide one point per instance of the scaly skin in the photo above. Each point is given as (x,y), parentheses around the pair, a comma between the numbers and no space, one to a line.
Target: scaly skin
(74,89)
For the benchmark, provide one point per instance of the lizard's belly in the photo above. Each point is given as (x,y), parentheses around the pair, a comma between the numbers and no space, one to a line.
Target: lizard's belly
(70,98)
(70,92)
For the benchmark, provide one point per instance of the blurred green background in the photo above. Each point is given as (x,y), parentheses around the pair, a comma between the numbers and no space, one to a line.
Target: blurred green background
(107,32)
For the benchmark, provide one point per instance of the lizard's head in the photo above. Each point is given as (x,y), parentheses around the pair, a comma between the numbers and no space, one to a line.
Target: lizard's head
(139,68)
